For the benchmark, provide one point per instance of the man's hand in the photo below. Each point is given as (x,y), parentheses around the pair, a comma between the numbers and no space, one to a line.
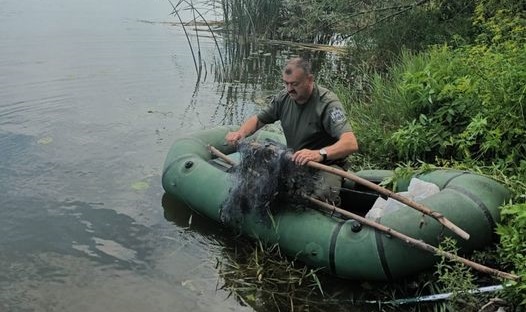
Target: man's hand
(303,156)
(250,126)
(232,138)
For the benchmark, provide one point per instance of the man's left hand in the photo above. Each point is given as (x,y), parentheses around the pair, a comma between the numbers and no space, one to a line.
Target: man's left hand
(303,156)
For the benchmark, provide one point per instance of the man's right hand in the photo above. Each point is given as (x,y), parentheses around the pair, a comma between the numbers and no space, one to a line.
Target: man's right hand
(232,138)
(250,126)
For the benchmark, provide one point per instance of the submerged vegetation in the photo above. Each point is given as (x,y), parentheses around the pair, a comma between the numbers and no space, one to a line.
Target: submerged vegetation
(426,83)
(261,277)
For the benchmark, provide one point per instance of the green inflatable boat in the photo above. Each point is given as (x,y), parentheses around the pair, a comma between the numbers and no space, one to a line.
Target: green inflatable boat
(342,247)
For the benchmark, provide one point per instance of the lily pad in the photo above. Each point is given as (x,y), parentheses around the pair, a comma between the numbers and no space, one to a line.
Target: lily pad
(45,140)
(140,186)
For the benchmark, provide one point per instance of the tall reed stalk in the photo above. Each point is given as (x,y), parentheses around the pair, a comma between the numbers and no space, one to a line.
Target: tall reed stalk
(246,19)
(198,62)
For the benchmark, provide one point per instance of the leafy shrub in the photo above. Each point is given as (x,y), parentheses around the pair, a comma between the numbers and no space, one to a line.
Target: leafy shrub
(512,248)
(456,278)
(464,103)
(436,22)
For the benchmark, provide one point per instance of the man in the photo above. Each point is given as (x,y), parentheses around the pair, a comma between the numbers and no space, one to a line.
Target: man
(313,121)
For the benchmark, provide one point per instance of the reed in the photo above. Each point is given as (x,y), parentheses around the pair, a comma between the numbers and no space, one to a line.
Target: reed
(250,19)
(198,17)
(261,277)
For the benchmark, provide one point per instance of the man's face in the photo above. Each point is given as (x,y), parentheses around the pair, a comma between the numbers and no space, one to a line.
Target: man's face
(298,85)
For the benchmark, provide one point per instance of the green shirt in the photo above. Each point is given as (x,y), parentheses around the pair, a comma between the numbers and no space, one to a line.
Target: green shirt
(316,124)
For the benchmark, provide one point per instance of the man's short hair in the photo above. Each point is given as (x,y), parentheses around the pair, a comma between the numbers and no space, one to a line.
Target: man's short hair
(298,62)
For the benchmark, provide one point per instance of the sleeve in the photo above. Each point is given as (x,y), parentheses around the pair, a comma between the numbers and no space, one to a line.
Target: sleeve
(271,112)
(335,120)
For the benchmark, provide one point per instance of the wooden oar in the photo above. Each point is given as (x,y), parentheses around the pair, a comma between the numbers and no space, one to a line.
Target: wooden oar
(409,240)
(412,241)
(382,190)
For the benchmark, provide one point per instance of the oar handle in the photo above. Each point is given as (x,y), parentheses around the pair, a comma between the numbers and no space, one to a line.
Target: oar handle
(409,202)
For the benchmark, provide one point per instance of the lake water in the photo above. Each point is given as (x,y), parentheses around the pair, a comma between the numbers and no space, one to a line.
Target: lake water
(91,95)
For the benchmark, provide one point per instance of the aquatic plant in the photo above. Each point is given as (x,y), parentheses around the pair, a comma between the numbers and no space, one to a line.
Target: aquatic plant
(246,20)
(261,277)
(189,5)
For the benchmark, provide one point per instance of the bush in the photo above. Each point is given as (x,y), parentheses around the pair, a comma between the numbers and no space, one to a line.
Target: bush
(512,248)
(469,104)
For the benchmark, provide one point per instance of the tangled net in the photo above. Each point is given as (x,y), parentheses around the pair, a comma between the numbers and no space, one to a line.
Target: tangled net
(264,176)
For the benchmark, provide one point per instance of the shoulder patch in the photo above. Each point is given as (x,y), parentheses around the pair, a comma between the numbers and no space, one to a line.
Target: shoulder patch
(337,115)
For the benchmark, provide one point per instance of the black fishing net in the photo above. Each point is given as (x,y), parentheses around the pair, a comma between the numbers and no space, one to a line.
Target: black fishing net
(264,177)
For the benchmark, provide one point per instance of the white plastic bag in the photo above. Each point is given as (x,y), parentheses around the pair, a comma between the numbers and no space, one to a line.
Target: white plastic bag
(417,191)
(421,189)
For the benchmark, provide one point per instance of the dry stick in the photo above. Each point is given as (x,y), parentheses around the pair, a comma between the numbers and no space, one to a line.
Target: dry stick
(218,153)
(409,202)
(229,161)
(407,239)
(411,241)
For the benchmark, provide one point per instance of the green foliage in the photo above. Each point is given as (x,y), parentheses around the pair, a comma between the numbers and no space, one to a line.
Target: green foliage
(466,103)
(456,278)
(261,277)
(378,107)
(314,20)
(436,22)
(512,248)
(500,19)
(455,102)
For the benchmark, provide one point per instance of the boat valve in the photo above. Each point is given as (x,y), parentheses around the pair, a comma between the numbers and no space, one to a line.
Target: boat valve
(188,164)
(356,226)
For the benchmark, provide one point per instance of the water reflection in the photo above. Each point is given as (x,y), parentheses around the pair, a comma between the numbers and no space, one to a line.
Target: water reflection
(182,216)
(91,99)
(251,74)
(72,228)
